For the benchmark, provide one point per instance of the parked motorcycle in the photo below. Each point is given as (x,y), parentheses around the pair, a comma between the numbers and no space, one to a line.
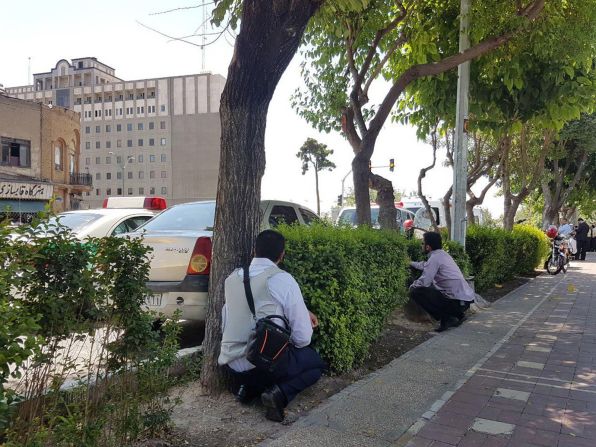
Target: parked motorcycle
(559,256)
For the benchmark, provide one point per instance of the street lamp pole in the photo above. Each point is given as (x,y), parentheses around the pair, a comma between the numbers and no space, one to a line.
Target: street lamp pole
(460,168)
(123,167)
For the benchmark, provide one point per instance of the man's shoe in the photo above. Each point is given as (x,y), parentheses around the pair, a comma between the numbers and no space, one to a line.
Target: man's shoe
(460,320)
(246,395)
(449,322)
(274,402)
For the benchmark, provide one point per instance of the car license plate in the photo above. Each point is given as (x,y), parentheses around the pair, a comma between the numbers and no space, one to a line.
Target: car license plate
(153,300)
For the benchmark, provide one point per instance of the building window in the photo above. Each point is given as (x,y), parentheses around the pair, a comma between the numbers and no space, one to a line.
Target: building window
(109,192)
(16,152)
(150,109)
(151,158)
(128,143)
(163,157)
(118,143)
(129,174)
(108,160)
(140,158)
(58,166)
(88,161)
(151,174)
(162,141)
(151,125)
(97,129)
(162,108)
(164,174)
(98,145)
(98,176)
(108,144)
(152,190)
(98,192)
(129,127)
(151,141)
(119,175)
(140,126)
(87,144)
(108,128)
(162,124)
(118,127)
(87,129)
(119,191)
(130,191)
(108,176)
(141,174)
(141,191)
(164,190)
(97,160)
(140,142)
(119,159)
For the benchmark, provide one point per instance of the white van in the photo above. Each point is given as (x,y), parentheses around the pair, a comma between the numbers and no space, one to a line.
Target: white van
(348,216)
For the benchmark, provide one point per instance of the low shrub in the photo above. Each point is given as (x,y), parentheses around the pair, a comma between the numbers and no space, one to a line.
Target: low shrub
(352,279)
(497,255)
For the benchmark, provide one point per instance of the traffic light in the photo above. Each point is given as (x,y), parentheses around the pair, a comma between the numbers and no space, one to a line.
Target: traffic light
(392,164)
(340,200)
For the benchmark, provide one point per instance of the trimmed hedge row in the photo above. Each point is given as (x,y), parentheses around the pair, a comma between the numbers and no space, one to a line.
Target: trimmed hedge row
(497,255)
(352,279)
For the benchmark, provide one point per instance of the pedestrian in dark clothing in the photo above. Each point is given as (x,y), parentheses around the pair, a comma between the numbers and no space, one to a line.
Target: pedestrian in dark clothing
(593,238)
(581,235)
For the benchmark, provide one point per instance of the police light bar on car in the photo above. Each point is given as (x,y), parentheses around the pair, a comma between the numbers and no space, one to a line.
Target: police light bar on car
(148,203)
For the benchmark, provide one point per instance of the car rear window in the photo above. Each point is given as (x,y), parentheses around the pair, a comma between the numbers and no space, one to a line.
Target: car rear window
(74,221)
(191,216)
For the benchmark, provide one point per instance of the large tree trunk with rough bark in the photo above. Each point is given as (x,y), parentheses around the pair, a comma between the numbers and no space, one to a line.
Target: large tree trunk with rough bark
(269,36)
(385,200)
(447,208)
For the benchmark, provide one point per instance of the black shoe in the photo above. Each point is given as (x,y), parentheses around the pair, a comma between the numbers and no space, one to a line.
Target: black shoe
(246,395)
(449,322)
(460,320)
(274,401)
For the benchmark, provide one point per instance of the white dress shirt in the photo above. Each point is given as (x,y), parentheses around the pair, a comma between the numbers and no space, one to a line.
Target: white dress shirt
(290,303)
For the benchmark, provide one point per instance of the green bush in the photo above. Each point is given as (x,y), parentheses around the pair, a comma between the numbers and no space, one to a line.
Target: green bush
(497,255)
(352,279)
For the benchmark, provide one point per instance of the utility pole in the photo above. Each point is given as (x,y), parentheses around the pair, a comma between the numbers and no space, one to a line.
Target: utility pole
(460,168)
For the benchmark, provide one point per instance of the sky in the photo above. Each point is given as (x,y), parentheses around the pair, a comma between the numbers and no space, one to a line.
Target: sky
(112,32)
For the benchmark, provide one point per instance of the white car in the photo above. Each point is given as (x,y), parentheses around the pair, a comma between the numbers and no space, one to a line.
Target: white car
(119,215)
(348,216)
(181,258)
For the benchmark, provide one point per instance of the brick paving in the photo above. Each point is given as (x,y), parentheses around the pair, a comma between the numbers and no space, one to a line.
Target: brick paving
(539,387)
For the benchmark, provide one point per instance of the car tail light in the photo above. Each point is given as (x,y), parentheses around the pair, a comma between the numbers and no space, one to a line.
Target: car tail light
(155,203)
(200,260)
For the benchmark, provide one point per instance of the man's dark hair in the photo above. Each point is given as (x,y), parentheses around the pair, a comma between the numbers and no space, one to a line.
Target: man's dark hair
(580,220)
(433,239)
(270,244)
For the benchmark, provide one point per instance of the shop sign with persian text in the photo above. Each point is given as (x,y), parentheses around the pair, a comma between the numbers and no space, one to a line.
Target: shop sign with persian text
(26,191)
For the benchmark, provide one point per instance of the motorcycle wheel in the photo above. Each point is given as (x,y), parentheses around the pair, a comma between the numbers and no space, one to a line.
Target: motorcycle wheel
(552,266)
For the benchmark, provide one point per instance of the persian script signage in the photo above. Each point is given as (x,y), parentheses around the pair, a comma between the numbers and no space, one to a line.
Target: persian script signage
(26,191)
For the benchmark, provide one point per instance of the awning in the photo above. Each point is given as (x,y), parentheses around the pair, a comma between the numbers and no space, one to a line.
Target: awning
(23,206)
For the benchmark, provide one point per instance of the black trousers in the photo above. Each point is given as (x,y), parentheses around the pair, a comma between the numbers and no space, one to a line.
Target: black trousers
(582,247)
(438,305)
(304,368)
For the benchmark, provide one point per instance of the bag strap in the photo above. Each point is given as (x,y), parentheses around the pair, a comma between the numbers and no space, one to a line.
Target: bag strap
(248,292)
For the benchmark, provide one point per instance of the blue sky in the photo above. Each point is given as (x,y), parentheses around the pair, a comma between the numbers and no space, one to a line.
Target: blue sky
(108,30)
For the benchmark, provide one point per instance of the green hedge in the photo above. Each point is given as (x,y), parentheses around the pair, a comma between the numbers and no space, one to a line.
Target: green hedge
(352,279)
(497,255)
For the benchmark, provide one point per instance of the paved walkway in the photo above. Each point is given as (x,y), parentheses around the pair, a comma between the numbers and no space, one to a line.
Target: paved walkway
(522,373)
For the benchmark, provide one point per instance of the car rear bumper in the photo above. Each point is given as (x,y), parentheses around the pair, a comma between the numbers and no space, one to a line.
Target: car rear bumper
(188,296)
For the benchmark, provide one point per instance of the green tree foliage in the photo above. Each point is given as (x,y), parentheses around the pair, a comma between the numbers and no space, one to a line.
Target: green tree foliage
(400,42)
(315,154)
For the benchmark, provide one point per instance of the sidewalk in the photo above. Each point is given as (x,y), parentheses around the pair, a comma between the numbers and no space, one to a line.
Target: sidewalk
(522,373)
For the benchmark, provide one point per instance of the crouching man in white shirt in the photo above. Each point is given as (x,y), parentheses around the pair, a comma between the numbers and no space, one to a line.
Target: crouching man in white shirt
(274,292)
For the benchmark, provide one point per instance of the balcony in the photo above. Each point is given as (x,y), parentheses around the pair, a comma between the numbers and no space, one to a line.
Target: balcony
(81,179)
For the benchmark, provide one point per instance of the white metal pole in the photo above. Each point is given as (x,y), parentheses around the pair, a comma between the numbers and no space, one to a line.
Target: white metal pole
(460,168)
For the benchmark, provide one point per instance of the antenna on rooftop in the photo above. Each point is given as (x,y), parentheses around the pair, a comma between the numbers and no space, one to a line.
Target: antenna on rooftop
(203,31)
(29,71)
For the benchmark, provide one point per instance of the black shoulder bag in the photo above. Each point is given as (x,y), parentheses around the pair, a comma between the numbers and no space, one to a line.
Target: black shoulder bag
(268,345)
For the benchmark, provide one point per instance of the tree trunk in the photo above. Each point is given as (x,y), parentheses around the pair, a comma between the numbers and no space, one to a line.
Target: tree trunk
(470,212)
(269,36)
(385,200)
(447,208)
(317,188)
(361,175)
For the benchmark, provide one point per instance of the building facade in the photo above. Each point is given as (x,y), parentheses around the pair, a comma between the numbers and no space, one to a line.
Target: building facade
(40,158)
(143,137)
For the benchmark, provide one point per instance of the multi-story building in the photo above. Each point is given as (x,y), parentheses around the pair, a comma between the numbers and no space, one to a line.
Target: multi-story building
(40,158)
(144,137)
